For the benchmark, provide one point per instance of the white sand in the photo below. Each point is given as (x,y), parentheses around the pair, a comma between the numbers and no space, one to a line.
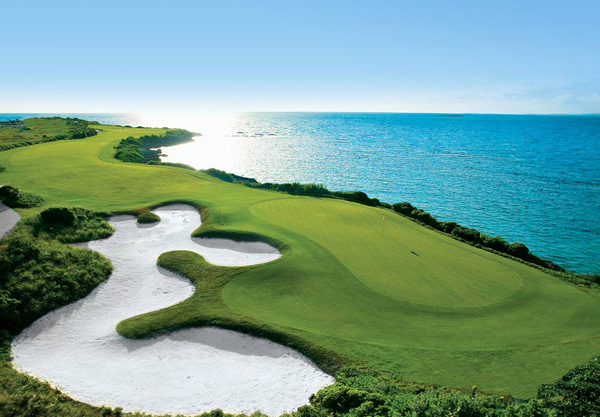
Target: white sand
(189,371)
(8,220)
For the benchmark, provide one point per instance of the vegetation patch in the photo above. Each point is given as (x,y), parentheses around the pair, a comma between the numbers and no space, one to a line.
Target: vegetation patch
(575,394)
(144,149)
(15,198)
(39,272)
(42,130)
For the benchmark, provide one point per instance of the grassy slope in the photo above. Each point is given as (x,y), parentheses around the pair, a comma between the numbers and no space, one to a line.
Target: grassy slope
(449,314)
(39,128)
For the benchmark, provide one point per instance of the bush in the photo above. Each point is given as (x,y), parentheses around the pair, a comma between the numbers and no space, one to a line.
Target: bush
(8,193)
(403,208)
(79,129)
(68,225)
(129,154)
(425,217)
(470,235)
(448,227)
(496,242)
(39,273)
(518,249)
(21,250)
(577,393)
(13,197)
(58,215)
(339,398)
(355,196)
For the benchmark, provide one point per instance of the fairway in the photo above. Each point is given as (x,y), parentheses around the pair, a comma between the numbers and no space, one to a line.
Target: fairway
(388,294)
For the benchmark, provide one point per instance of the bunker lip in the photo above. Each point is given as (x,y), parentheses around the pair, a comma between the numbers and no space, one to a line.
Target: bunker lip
(77,349)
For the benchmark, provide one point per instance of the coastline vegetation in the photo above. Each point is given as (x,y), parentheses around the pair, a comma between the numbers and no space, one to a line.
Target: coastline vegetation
(379,305)
(147,148)
(45,129)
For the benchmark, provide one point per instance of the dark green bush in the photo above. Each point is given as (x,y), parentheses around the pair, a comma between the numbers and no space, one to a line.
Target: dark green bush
(403,208)
(470,235)
(355,196)
(576,394)
(129,154)
(58,215)
(448,227)
(79,129)
(21,250)
(339,398)
(496,242)
(38,273)
(139,150)
(425,217)
(13,197)
(518,249)
(8,193)
(68,225)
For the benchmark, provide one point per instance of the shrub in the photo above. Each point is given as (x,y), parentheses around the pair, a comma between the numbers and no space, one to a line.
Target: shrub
(8,193)
(518,249)
(68,225)
(470,235)
(58,215)
(355,196)
(127,154)
(496,242)
(403,208)
(425,217)
(448,227)
(21,250)
(13,197)
(79,129)
(577,393)
(39,274)
(340,398)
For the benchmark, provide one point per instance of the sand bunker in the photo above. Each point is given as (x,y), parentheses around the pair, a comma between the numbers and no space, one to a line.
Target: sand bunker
(189,371)
(8,220)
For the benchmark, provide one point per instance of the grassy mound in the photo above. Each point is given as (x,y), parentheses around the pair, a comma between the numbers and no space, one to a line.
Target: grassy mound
(39,272)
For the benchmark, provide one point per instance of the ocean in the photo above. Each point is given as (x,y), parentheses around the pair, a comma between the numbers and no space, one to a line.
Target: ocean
(528,178)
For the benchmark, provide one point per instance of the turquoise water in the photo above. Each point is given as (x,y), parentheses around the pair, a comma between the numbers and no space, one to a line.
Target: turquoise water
(534,179)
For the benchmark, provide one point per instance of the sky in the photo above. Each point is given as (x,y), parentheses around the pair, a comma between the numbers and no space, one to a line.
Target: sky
(215,56)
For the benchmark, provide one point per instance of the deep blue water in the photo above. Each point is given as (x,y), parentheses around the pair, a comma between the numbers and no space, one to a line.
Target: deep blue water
(534,179)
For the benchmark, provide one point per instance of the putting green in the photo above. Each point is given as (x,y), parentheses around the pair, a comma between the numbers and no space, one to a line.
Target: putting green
(390,294)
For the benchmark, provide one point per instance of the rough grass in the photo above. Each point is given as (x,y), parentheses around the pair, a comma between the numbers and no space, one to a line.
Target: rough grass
(39,129)
(392,296)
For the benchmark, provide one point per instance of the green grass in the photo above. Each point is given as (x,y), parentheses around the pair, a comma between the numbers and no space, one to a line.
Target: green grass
(39,129)
(350,289)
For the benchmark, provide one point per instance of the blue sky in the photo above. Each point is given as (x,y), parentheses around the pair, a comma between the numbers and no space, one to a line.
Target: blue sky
(407,56)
